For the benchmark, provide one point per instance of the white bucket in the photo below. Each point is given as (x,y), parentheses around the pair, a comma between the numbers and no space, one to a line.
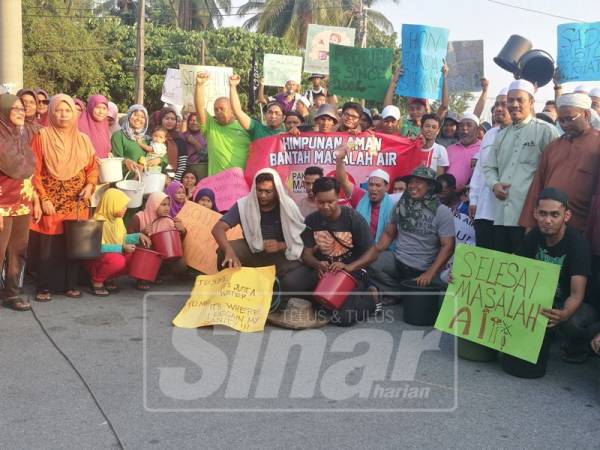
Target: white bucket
(134,190)
(153,182)
(111,169)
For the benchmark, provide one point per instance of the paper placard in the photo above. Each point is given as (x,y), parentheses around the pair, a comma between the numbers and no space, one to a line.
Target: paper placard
(217,86)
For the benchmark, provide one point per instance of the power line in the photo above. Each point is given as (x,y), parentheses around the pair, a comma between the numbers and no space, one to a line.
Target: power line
(544,13)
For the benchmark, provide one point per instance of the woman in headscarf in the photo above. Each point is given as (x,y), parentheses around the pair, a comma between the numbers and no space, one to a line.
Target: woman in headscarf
(177,194)
(17,197)
(195,142)
(94,123)
(80,106)
(43,100)
(113,118)
(189,180)
(176,149)
(206,197)
(29,100)
(117,245)
(65,176)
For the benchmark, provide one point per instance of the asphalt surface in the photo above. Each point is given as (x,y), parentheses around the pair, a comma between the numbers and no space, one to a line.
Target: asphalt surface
(161,387)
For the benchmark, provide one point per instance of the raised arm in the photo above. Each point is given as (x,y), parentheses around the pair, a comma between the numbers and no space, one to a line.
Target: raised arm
(389,95)
(340,170)
(443,109)
(243,118)
(481,102)
(199,96)
(261,92)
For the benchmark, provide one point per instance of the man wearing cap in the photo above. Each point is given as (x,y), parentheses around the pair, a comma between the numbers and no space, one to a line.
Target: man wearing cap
(255,129)
(374,204)
(512,162)
(449,132)
(595,96)
(326,118)
(571,163)
(390,117)
(316,79)
(482,201)
(461,155)
(423,232)
(554,241)
(437,156)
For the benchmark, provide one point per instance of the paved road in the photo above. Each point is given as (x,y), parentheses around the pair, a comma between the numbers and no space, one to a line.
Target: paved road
(162,387)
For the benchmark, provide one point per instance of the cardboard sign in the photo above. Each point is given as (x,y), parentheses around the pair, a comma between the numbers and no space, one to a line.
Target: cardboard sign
(465,234)
(199,246)
(229,186)
(171,91)
(423,52)
(318,38)
(280,68)
(495,299)
(360,72)
(217,86)
(237,298)
(290,156)
(579,51)
(465,64)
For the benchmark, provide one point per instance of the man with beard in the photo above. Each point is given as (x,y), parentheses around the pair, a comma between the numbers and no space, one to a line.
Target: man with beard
(461,155)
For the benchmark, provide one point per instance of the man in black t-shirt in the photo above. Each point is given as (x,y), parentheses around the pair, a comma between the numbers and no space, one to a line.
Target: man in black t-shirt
(553,241)
(336,238)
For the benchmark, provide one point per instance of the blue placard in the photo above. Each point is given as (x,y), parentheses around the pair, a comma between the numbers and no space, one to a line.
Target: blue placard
(423,52)
(579,51)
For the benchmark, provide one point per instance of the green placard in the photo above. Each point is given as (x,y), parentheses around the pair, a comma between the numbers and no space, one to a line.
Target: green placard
(360,72)
(495,299)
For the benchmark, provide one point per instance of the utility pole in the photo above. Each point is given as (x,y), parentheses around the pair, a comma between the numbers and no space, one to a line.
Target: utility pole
(139,67)
(11,45)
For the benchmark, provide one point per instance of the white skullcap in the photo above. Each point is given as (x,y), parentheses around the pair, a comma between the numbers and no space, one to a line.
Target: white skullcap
(391,111)
(470,116)
(304,100)
(576,100)
(522,85)
(503,91)
(291,81)
(595,92)
(582,89)
(381,174)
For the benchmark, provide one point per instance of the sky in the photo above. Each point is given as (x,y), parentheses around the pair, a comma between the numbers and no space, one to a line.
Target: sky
(492,22)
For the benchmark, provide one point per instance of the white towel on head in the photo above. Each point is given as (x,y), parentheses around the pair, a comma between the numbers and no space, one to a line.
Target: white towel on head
(292,221)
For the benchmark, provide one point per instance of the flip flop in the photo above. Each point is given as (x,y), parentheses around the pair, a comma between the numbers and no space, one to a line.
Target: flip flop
(43,296)
(99,291)
(142,285)
(73,293)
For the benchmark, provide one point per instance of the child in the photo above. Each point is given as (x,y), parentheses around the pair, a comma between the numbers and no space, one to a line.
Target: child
(117,245)
(156,151)
(206,197)
(177,195)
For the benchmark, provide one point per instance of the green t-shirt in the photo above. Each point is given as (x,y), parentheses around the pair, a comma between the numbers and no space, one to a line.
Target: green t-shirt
(227,145)
(409,129)
(259,130)
(123,147)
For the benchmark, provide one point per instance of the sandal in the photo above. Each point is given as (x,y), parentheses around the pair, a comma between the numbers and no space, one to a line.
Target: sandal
(142,285)
(17,303)
(111,286)
(73,293)
(43,296)
(99,291)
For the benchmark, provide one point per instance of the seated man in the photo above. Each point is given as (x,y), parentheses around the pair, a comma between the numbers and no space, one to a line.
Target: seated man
(553,241)
(423,230)
(336,238)
(308,204)
(374,205)
(272,226)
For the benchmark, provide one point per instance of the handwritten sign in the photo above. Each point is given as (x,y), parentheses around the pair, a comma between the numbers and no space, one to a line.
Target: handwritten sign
(465,64)
(423,52)
(171,91)
(280,68)
(465,234)
(496,299)
(579,51)
(360,72)
(237,298)
(318,38)
(199,246)
(217,86)
(229,186)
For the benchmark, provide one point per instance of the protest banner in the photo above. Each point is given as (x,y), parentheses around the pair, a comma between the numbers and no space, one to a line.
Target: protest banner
(199,246)
(229,186)
(237,298)
(171,91)
(217,86)
(423,52)
(465,66)
(495,299)
(290,156)
(578,55)
(278,69)
(318,38)
(360,72)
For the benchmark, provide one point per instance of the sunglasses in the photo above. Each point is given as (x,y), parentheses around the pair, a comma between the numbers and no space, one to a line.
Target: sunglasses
(43,102)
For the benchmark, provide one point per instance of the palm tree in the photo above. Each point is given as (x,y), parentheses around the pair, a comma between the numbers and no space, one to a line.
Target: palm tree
(200,14)
(290,18)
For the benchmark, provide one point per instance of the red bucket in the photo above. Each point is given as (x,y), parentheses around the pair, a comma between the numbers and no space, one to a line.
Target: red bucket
(168,244)
(144,264)
(333,289)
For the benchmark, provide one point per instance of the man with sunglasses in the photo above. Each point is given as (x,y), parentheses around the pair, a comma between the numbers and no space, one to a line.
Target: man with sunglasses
(570,163)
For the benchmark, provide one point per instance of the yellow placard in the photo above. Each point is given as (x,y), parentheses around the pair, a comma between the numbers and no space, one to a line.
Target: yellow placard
(237,298)
(199,246)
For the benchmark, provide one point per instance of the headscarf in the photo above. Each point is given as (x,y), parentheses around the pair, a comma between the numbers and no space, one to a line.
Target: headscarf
(129,132)
(409,210)
(42,118)
(113,229)
(66,151)
(155,120)
(97,131)
(172,151)
(81,104)
(16,157)
(206,192)
(31,123)
(292,221)
(171,191)
(194,156)
(148,215)
(113,112)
